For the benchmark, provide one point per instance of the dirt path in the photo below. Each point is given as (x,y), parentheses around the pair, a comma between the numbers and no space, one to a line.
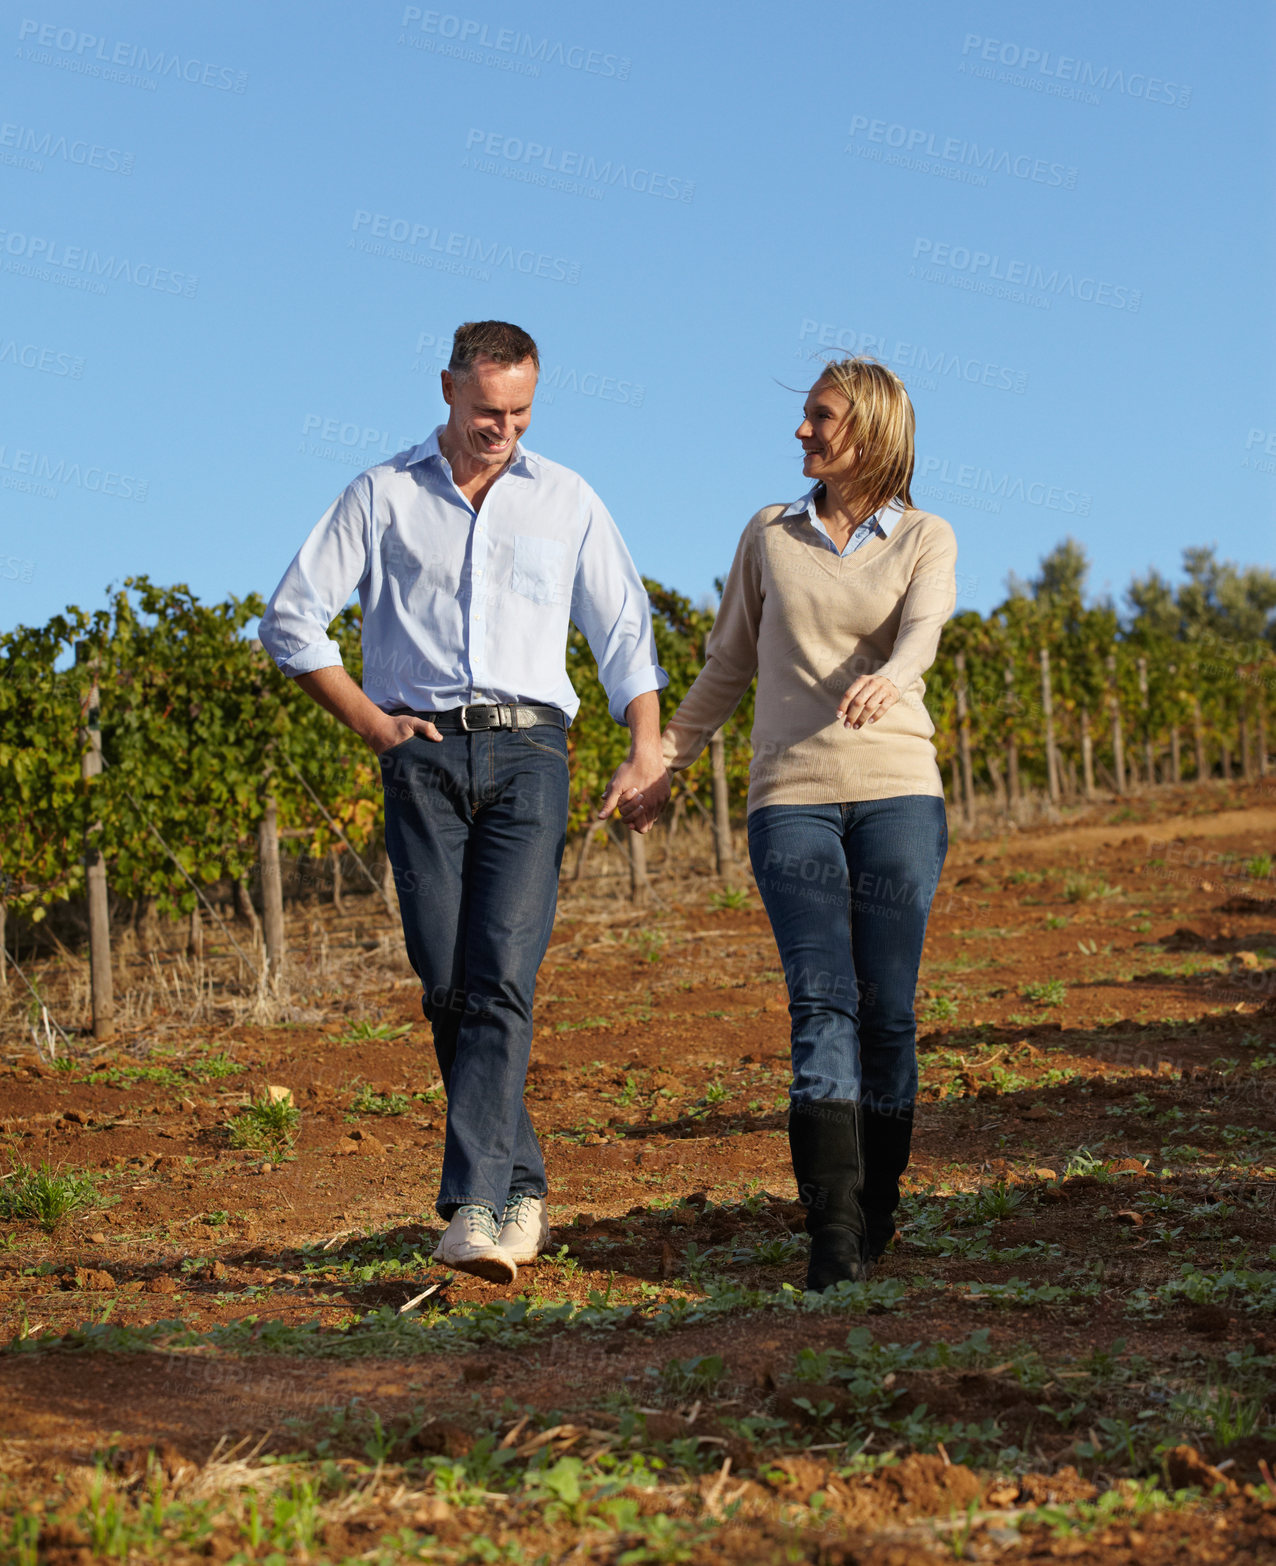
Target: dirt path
(1082,1283)
(1256,821)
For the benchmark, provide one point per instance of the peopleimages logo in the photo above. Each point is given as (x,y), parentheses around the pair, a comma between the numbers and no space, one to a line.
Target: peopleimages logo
(1022,282)
(909,147)
(926,362)
(589,383)
(423,244)
(89,54)
(987,489)
(35,356)
(35,472)
(1260,451)
(335,439)
(1022,65)
(577,173)
(23,147)
(13,568)
(465,38)
(433,350)
(81,267)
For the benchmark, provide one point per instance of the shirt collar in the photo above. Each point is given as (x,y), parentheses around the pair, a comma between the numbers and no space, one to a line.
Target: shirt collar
(886,518)
(428,450)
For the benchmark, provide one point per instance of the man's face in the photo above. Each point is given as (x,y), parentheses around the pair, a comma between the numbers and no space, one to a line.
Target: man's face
(491,406)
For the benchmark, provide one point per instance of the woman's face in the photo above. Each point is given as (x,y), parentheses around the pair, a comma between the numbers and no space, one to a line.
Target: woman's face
(822,433)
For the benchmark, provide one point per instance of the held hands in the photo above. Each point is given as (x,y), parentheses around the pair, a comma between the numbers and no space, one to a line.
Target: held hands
(866,699)
(640,787)
(392,731)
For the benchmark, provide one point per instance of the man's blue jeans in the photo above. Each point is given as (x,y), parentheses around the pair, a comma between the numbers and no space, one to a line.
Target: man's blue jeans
(848,889)
(475,826)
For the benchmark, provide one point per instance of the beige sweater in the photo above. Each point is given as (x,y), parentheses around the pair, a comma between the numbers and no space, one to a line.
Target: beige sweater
(808,621)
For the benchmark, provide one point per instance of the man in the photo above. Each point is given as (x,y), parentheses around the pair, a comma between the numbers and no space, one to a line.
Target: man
(470,554)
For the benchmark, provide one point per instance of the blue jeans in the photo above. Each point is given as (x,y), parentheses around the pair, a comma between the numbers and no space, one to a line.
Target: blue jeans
(475,826)
(847,889)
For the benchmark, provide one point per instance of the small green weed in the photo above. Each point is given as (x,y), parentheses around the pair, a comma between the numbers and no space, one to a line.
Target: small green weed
(1084,1162)
(1086,888)
(372,1033)
(940,1008)
(650,944)
(46,1196)
(215,1066)
(266,1125)
(778,1252)
(368,1102)
(627,1094)
(995,1201)
(1046,992)
(729,897)
(699,1374)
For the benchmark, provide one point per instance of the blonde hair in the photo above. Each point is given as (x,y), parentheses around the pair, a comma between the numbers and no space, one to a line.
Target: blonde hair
(880,426)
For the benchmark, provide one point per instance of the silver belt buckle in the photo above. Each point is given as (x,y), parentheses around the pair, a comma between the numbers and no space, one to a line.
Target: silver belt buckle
(465,719)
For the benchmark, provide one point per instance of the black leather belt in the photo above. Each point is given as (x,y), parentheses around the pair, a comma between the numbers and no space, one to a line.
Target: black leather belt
(476,718)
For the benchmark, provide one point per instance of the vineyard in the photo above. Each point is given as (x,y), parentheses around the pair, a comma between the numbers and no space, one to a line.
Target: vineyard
(224,1340)
(158,766)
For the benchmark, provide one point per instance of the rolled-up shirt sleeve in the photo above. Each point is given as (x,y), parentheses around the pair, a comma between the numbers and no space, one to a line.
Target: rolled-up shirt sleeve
(610,605)
(318,584)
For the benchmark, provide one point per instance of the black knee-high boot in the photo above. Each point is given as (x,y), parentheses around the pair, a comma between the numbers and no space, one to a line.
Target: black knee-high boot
(826,1140)
(888,1137)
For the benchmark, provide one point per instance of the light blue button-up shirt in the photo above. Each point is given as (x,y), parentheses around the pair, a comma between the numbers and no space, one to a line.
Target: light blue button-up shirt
(879,525)
(465,606)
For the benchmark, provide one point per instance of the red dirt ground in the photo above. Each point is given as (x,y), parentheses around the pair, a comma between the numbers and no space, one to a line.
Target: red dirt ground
(658,1076)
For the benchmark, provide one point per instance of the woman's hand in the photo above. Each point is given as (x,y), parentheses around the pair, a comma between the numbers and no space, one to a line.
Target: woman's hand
(640,808)
(866,700)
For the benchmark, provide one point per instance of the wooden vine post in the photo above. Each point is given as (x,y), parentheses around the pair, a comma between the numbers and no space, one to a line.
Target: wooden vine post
(101,987)
(1087,753)
(1149,765)
(1012,743)
(1245,726)
(272,884)
(1176,744)
(637,868)
(1198,740)
(963,741)
(724,854)
(1047,707)
(1118,739)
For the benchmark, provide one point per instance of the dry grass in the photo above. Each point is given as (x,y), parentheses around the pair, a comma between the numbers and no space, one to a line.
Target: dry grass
(344,961)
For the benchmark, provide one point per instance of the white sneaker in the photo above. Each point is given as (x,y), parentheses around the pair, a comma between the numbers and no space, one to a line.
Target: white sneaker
(470,1243)
(525,1227)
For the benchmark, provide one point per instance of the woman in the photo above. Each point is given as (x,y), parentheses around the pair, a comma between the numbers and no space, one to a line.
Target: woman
(837,602)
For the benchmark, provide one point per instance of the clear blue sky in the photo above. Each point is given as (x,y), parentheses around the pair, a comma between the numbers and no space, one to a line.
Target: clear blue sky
(1054,221)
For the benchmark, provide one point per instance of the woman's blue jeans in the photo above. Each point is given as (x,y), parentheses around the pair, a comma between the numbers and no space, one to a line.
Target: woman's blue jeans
(475,826)
(847,889)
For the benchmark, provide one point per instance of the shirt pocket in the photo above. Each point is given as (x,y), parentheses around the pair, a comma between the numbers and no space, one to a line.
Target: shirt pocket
(539,569)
